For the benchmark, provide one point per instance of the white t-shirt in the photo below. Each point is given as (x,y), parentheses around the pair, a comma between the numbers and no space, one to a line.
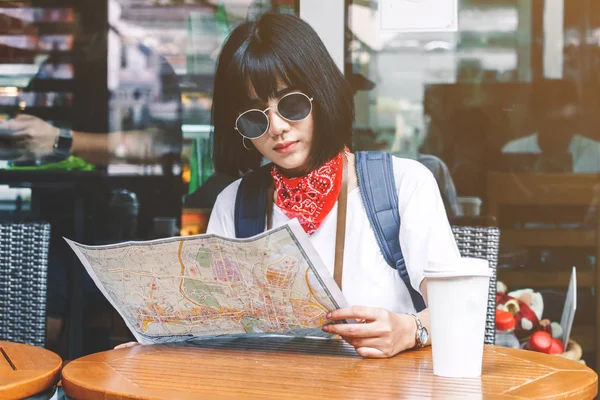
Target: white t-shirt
(367,280)
(585,151)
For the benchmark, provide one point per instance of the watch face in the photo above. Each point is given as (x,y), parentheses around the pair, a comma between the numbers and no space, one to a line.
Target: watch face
(424,336)
(63,144)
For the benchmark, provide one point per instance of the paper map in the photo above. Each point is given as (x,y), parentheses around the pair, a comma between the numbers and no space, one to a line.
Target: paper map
(191,287)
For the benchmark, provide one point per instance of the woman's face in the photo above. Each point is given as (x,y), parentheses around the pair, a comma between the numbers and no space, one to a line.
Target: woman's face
(287,144)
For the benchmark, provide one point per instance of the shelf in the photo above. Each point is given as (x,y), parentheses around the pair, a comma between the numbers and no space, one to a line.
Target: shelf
(13,55)
(548,237)
(39,3)
(38,28)
(53,85)
(58,113)
(539,279)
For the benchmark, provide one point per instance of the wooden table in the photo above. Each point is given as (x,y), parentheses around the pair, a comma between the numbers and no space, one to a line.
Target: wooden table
(313,369)
(26,370)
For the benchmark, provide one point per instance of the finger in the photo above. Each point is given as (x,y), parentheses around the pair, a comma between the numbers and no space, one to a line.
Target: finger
(356,312)
(14,143)
(127,345)
(16,125)
(19,140)
(5,127)
(18,134)
(363,342)
(10,154)
(24,156)
(353,330)
(370,352)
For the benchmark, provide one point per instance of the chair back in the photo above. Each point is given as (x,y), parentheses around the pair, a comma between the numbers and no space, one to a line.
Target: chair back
(23,282)
(482,242)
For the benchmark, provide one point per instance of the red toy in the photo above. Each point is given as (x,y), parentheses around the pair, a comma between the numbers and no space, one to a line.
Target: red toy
(542,341)
(526,320)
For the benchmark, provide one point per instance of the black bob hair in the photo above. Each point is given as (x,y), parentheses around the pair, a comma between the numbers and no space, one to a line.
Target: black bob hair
(278,48)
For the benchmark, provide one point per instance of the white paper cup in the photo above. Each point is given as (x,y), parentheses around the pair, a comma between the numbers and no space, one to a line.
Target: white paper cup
(457,298)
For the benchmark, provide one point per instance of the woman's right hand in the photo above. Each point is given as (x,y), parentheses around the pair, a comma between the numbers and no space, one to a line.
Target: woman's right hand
(128,344)
(31,134)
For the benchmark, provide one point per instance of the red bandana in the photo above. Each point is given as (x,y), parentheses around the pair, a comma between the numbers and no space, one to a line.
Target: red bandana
(310,197)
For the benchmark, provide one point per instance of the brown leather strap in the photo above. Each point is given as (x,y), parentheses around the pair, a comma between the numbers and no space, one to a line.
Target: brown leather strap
(340,233)
(270,200)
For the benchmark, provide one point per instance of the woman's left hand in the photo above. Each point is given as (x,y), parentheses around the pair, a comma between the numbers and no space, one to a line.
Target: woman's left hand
(380,334)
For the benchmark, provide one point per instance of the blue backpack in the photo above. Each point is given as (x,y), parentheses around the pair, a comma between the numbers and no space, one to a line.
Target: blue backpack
(378,191)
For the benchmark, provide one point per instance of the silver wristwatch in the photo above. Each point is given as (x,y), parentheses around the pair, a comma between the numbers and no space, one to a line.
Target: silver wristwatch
(63,143)
(422,335)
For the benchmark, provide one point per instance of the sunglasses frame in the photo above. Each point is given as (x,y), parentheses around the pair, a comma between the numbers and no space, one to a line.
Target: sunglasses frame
(276,107)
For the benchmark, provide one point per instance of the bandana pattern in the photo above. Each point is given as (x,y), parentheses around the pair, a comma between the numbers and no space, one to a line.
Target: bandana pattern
(311,197)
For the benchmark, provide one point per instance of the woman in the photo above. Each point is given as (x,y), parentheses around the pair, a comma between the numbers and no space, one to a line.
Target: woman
(279,64)
(262,65)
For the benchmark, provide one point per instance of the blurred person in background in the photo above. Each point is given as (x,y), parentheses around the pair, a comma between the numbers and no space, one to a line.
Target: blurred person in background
(470,149)
(137,136)
(557,114)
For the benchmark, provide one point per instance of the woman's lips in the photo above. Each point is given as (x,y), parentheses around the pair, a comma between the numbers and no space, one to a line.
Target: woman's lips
(285,147)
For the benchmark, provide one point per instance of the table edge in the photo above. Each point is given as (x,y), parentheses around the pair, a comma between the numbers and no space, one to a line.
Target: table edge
(37,384)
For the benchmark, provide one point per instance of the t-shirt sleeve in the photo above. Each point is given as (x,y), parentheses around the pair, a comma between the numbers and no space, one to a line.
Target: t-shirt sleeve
(425,233)
(221,218)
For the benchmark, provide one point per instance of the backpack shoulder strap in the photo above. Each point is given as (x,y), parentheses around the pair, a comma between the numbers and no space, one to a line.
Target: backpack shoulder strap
(251,203)
(377,186)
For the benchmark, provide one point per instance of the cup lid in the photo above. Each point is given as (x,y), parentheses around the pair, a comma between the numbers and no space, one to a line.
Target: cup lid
(470,199)
(459,267)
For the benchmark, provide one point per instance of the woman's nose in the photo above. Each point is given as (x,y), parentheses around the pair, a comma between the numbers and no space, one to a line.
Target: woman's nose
(277,124)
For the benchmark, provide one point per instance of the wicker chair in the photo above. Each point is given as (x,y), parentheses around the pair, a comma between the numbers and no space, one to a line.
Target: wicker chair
(23,280)
(482,242)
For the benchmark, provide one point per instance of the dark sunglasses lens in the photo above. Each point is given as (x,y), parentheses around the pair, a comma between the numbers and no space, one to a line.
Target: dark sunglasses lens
(252,124)
(294,107)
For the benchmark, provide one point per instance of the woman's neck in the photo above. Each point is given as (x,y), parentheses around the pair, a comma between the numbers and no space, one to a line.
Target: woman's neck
(294,172)
(352,178)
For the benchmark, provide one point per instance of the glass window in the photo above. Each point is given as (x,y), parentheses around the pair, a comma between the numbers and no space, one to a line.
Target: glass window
(161,63)
(34,66)
(503,111)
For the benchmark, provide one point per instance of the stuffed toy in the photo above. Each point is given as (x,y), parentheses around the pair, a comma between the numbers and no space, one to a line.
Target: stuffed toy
(533,332)
(528,307)
(543,342)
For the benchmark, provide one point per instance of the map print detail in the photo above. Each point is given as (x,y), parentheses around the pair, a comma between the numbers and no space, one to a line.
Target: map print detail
(204,286)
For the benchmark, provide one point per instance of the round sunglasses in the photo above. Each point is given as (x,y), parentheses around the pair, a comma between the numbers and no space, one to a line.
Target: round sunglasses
(293,107)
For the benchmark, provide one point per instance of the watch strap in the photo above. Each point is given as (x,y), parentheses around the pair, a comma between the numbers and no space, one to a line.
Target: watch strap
(63,142)
(420,328)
